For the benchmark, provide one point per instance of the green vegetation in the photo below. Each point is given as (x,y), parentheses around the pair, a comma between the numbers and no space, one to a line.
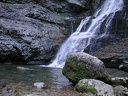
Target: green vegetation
(85,88)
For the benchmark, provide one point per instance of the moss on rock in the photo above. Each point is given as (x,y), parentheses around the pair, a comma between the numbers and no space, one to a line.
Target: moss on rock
(96,87)
(119,81)
(85,88)
(81,65)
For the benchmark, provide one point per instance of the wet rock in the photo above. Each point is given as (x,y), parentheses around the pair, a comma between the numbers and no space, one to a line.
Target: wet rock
(2,85)
(124,67)
(9,91)
(115,55)
(81,65)
(94,86)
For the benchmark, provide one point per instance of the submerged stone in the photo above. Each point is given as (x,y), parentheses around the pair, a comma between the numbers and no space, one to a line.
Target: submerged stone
(39,85)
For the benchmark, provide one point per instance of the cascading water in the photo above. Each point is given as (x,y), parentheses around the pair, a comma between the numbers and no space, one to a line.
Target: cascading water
(87,31)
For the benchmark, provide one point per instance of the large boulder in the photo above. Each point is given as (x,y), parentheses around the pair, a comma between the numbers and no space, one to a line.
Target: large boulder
(81,65)
(96,87)
(29,32)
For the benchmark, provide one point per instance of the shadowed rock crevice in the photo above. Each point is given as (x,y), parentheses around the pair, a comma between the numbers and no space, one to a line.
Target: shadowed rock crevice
(115,55)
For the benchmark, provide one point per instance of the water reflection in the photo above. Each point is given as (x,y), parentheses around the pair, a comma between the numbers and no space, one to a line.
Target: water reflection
(52,77)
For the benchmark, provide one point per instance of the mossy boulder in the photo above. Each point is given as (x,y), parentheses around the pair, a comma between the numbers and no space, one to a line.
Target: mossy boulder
(94,86)
(81,65)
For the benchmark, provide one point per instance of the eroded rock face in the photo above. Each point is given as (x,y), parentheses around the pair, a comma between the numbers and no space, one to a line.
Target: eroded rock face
(79,5)
(18,1)
(33,33)
(29,32)
(115,55)
(81,65)
(68,7)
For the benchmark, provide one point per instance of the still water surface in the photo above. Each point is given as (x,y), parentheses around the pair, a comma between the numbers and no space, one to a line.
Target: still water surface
(52,77)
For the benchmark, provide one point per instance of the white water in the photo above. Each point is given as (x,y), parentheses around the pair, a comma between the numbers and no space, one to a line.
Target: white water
(87,31)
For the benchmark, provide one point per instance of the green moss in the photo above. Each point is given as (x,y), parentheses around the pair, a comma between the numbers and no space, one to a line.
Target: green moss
(119,82)
(85,88)
(76,70)
(106,77)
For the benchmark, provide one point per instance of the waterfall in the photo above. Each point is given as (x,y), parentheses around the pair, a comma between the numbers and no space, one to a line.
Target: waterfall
(87,31)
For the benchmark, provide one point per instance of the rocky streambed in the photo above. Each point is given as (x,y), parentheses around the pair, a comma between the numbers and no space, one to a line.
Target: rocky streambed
(18,80)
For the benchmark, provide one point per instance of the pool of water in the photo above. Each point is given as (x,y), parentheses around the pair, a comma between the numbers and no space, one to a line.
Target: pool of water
(52,77)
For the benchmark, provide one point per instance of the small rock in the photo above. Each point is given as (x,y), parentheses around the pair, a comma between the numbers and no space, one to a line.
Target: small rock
(39,85)
(2,85)
(23,68)
(124,67)
(9,90)
(120,66)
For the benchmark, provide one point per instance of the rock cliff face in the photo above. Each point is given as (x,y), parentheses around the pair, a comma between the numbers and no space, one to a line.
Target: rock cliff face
(29,32)
(116,54)
(18,1)
(32,30)
(117,30)
(69,7)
